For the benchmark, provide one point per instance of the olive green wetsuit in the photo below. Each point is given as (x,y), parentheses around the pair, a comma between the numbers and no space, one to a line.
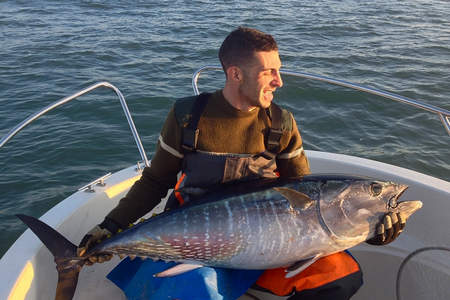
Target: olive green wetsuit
(223,130)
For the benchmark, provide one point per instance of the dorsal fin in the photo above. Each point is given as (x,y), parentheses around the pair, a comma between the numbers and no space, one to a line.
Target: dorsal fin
(296,199)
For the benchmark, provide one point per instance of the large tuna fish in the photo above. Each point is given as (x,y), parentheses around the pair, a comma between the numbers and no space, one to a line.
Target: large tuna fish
(256,225)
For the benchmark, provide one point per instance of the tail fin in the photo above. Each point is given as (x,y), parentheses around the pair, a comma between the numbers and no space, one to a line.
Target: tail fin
(58,245)
(67,265)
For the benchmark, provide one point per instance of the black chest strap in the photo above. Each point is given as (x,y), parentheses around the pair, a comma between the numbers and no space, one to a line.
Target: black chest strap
(275,131)
(191,131)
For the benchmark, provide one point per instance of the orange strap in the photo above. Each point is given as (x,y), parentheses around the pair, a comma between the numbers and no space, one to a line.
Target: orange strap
(177,186)
(323,271)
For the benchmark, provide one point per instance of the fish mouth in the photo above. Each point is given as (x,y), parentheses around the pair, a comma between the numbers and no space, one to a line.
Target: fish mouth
(406,207)
(393,202)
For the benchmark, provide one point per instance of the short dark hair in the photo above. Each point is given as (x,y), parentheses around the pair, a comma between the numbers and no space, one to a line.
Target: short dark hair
(241,44)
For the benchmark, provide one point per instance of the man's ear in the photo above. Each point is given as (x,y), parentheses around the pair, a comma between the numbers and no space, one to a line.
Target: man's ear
(234,74)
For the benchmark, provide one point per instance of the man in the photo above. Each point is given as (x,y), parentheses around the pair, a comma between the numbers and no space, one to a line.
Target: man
(236,133)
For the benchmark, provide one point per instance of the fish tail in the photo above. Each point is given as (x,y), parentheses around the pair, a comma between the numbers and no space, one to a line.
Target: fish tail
(68,264)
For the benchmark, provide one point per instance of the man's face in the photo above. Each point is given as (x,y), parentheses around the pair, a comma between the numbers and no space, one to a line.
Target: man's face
(261,78)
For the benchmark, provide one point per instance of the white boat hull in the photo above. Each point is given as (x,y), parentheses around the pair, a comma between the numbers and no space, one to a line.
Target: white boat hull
(28,271)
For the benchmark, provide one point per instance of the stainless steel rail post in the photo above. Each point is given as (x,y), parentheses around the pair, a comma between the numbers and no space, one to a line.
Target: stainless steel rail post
(62,101)
(443,114)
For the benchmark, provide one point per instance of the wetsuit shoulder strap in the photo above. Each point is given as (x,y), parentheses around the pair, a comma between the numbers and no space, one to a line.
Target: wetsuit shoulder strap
(188,112)
(281,121)
(276,130)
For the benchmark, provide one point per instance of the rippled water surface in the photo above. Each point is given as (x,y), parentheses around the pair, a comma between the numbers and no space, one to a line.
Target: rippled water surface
(51,49)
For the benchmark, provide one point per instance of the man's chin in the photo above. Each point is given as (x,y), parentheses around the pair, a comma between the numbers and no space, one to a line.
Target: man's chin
(266,101)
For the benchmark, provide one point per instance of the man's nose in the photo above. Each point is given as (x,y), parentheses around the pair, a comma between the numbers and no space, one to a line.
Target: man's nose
(277,81)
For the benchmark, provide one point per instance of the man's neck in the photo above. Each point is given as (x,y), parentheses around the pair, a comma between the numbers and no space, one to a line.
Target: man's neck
(233,97)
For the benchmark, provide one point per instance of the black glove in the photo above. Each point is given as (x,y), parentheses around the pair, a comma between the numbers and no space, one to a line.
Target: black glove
(389,229)
(100,232)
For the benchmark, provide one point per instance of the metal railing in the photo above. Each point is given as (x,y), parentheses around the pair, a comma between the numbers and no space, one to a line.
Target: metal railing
(62,101)
(443,114)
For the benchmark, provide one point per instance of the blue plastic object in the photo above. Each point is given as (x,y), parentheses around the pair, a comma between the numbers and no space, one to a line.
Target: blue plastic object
(135,278)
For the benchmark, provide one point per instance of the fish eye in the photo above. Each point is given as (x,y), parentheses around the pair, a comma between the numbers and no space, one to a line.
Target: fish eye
(376,188)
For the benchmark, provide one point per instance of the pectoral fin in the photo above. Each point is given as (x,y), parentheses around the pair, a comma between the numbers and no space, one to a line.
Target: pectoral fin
(178,269)
(299,266)
(295,198)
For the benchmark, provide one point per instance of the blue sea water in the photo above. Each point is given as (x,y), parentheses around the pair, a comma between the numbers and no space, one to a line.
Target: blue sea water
(149,50)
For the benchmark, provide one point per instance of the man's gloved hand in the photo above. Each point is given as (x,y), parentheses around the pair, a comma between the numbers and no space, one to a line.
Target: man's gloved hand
(389,229)
(100,232)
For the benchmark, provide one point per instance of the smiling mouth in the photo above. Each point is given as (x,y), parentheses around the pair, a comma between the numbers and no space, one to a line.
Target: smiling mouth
(268,95)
